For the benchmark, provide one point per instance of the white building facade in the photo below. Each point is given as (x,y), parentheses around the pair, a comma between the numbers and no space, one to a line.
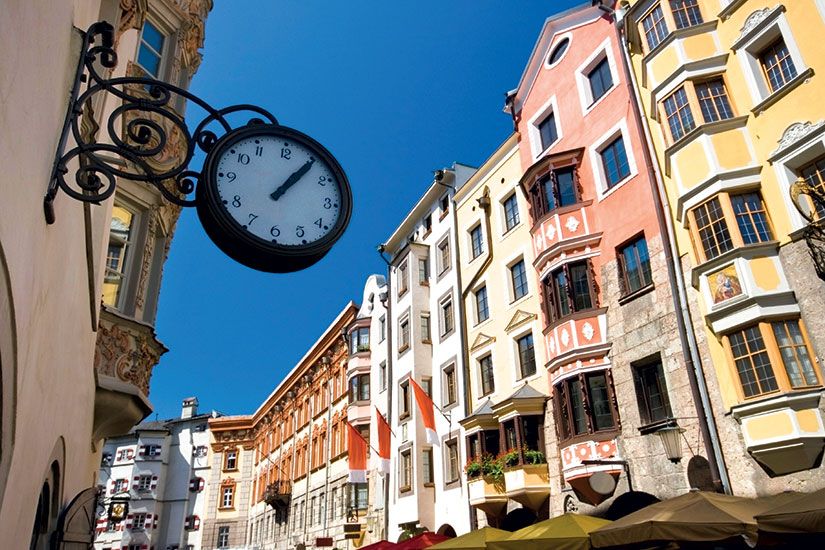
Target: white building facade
(162,468)
(426,482)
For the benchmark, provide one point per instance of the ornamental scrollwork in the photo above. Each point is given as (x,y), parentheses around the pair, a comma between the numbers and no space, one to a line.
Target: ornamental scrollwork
(144,138)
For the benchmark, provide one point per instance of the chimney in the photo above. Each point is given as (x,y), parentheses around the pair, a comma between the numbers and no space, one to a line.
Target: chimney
(190,407)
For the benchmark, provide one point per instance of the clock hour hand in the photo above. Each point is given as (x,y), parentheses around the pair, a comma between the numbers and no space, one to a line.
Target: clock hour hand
(291,180)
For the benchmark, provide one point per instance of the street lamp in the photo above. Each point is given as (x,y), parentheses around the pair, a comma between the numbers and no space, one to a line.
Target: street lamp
(671,437)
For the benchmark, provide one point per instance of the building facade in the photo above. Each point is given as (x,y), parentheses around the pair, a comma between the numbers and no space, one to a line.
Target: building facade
(426,483)
(162,468)
(730,91)
(76,369)
(621,366)
(289,484)
(506,382)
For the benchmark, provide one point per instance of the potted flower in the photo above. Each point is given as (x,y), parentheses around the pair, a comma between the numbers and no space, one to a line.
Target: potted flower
(510,458)
(473,468)
(534,457)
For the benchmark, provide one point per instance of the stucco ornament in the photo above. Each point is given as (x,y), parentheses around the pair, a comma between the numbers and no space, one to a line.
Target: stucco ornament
(753,20)
(552,345)
(129,355)
(587,330)
(550,231)
(795,133)
(572,224)
(565,337)
(132,14)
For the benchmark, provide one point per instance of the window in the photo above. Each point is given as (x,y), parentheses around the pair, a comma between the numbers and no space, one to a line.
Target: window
(150,51)
(446,312)
(451,469)
(555,190)
(751,218)
(476,241)
(450,396)
(223,537)
(425,328)
(814,174)
(196,484)
(557,53)
(227,496)
(139,521)
(678,115)
(192,523)
(149,452)
(614,162)
(428,223)
(482,308)
(427,466)
(518,278)
(654,27)
(359,388)
(600,79)
(231,460)
(444,205)
(651,392)
(548,133)
(526,356)
(568,290)
(777,65)
(685,13)
(759,350)
(406,473)
(444,259)
(713,100)
(382,375)
(122,231)
(485,367)
(359,340)
(144,483)
(584,404)
(120,486)
(634,266)
(511,216)
(712,229)
(402,278)
(404,400)
(382,328)
(106,459)
(404,333)
(199,451)
(423,270)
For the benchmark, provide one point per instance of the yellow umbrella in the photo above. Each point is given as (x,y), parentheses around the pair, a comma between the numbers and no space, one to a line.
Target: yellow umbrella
(804,514)
(474,540)
(567,532)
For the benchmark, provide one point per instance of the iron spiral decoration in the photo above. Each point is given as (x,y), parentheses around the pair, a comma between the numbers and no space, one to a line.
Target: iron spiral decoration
(143,139)
(813,210)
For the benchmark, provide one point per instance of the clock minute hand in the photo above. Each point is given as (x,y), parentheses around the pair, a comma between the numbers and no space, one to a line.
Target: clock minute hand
(291,180)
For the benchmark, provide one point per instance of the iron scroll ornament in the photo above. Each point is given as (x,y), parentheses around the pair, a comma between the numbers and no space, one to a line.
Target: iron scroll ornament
(146,139)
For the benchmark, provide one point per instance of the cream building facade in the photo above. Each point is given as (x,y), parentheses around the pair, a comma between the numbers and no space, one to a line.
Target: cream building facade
(73,371)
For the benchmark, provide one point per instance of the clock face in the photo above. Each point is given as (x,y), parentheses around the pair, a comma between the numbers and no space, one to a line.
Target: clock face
(280,188)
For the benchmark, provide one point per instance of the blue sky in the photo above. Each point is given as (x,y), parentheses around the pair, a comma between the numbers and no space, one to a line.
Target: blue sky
(394,90)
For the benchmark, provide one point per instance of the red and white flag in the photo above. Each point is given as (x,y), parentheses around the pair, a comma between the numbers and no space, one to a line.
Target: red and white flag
(382,461)
(357,449)
(426,408)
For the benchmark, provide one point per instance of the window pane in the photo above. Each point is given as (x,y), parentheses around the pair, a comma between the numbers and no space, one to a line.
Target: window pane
(654,27)
(614,162)
(477,241)
(482,309)
(752,362)
(511,217)
(685,13)
(527,357)
(518,275)
(487,379)
(547,131)
(751,218)
(581,287)
(602,412)
(577,405)
(566,187)
(814,174)
(677,110)
(636,266)
(120,237)
(712,228)
(713,98)
(777,64)
(600,79)
(795,354)
(561,293)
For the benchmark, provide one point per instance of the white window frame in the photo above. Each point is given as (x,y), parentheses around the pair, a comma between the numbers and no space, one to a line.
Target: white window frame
(168,36)
(444,387)
(556,41)
(753,42)
(517,356)
(442,319)
(518,256)
(224,493)
(503,210)
(144,488)
(600,144)
(481,285)
(602,51)
(480,226)
(789,159)
(443,269)
(550,107)
(403,346)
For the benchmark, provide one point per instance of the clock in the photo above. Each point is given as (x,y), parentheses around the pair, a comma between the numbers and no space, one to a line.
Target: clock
(273,198)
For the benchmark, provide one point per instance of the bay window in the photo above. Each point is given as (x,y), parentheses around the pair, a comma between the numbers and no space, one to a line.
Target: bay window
(554,190)
(681,108)
(569,289)
(584,404)
(711,222)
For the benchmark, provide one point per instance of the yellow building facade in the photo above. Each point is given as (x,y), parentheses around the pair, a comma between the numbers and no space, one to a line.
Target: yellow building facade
(507,384)
(731,91)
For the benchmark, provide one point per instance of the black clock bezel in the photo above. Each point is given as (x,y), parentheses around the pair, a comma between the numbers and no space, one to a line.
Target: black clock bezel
(243,245)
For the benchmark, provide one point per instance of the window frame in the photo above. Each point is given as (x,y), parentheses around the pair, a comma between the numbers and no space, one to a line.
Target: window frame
(401,277)
(482,304)
(551,295)
(670,24)
(403,335)
(476,239)
(640,371)
(452,461)
(449,391)
(445,260)
(510,221)
(227,457)
(487,386)
(404,403)
(645,283)
(693,105)
(424,270)
(730,220)
(519,355)
(162,55)
(426,327)
(230,487)
(512,280)
(538,191)
(537,145)
(406,471)
(561,401)
(446,323)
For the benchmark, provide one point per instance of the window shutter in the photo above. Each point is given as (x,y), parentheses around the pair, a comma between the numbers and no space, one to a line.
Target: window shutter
(554,181)
(593,286)
(620,265)
(142,451)
(149,520)
(568,289)
(188,522)
(129,521)
(135,483)
(196,522)
(154,483)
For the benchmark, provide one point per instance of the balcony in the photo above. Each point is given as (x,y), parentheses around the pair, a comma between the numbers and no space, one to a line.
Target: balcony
(528,484)
(487,495)
(278,494)
(125,354)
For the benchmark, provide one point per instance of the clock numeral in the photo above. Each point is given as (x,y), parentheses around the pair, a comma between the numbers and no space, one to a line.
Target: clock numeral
(319,222)
(327,203)
(243,158)
(275,232)
(286,153)
(252,218)
(259,151)
(299,231)
(231,176)
(322,181)
(236,201)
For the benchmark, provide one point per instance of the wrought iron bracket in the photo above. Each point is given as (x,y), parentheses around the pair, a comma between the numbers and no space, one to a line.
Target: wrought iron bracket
(812,211)
(154,144)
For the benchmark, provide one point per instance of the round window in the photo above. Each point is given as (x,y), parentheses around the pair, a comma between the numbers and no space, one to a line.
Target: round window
(558,51)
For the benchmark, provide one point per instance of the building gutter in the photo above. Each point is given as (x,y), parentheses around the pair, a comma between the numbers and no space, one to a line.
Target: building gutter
(387,378)
(693,362)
